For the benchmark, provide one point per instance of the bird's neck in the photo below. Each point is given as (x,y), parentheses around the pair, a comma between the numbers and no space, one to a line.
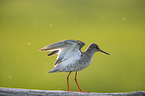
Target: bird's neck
(89,51)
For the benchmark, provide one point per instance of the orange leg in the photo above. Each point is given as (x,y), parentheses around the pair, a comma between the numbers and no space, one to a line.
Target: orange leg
(77,82)
(68,81)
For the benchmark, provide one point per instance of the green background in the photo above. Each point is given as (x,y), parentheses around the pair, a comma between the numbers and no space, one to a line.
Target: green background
(117,26)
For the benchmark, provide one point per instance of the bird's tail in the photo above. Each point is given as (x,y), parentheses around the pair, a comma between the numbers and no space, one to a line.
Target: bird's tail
(52,71)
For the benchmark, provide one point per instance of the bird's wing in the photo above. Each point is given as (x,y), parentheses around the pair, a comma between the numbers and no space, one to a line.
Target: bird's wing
(81,44)
(53,53)
(71,51)
(54,46)
(61,48)
(61,54)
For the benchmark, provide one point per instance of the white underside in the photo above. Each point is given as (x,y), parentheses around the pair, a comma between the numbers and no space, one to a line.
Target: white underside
(69,61)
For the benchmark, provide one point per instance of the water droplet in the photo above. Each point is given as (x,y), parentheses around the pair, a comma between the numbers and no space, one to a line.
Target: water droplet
(29,43)
(124,18)
(51,25)
(10,77)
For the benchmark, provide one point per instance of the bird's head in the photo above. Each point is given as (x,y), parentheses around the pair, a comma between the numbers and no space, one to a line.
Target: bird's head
(96,48)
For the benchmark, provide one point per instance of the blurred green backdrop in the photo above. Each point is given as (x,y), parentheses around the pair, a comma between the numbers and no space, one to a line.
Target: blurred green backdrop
(117,26)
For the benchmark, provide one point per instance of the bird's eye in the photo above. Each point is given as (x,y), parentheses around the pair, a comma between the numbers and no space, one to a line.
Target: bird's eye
(97,47)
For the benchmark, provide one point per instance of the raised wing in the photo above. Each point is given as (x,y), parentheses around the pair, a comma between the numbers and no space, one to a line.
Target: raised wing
(81,44)
(63,49)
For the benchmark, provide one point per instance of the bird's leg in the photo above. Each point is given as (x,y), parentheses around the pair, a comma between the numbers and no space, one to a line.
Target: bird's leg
(77,82)
(68,81)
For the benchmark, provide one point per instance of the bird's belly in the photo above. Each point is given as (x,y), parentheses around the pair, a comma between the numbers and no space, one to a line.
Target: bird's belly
(73,65)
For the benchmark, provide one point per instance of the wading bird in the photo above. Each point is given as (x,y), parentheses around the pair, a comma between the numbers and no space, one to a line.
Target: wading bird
(70,57)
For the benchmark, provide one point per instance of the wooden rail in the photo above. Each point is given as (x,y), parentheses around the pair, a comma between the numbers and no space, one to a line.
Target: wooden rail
(29,92)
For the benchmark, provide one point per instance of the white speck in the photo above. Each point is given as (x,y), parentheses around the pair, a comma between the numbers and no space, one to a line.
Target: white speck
(124,18)
(75,20)
(101,79)
(51,25)
(29,43)
(10,77)
(32,81)
(18,57)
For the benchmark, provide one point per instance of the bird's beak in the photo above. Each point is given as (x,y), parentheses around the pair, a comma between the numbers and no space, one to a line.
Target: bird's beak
(104,52)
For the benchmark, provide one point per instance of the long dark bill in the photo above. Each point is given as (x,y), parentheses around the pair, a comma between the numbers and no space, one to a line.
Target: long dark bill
(104,52)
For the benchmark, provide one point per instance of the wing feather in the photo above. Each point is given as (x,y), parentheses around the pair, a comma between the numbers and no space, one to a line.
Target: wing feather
(53,53)
(64,49)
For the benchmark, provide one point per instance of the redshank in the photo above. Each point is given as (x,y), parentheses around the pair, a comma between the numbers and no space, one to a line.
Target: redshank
(70,57)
